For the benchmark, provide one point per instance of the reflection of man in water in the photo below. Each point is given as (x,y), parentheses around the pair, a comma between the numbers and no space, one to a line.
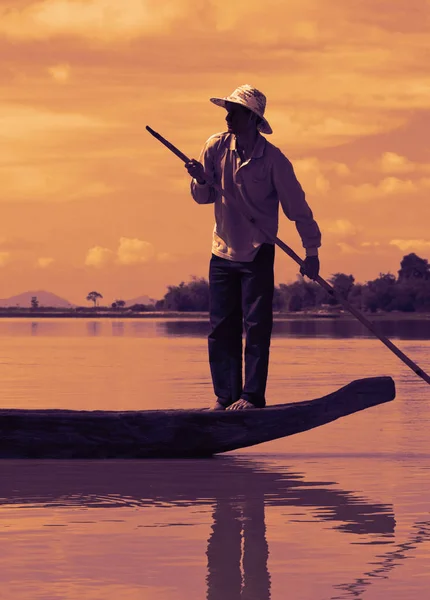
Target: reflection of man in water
(238,525)
(237,547)
(257,178)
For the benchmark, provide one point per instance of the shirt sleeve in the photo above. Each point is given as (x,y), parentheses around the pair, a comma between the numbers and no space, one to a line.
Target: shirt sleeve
(205,193)
(292,199)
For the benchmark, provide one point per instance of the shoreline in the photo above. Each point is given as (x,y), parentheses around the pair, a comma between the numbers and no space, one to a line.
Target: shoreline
(194,316)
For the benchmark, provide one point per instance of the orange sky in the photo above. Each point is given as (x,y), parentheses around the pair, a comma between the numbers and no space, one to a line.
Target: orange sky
(89,200)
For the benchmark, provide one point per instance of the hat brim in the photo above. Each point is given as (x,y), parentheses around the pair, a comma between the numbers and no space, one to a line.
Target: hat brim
(263,127)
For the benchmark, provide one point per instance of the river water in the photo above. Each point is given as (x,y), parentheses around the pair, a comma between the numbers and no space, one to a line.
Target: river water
(338,512)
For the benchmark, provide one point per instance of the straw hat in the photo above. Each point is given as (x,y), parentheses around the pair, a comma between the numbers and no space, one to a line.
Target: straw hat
(250,98)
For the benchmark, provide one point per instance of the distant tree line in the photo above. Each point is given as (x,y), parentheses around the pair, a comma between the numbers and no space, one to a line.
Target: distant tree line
(408,292)
(191,296)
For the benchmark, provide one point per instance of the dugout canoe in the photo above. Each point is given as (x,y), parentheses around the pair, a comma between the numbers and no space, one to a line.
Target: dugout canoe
(179,433)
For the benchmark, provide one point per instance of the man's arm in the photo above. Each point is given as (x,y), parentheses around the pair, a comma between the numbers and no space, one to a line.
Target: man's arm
(292,199)
(203,173)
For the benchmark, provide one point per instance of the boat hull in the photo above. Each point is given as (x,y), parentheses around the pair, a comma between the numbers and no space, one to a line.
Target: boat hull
(175,433)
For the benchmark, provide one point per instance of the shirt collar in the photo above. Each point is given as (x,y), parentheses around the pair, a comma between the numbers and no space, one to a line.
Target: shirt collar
(259,147)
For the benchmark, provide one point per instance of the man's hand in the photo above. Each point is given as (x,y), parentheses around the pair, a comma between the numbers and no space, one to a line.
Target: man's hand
(311,267)
(196,170)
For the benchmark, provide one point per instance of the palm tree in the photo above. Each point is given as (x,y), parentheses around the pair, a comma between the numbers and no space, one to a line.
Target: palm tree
(93,297)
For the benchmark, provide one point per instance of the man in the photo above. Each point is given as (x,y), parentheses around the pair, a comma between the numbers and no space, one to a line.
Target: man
(256,177)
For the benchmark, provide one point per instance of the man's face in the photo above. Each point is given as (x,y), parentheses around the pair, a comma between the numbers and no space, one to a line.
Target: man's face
(239,119)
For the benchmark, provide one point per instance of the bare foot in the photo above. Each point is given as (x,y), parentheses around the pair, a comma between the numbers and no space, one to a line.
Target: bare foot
(218,406)
(240,405)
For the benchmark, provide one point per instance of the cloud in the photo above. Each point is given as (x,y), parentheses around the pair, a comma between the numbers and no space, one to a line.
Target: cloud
(392,163)
(165,257)
(347,248)
(343,76)
(18,122)
(348,237)
(340,169)
(395,163)
(24,182)
(98,257)
(130,251)
(389,186)
(60,73)
(354,246)
(4,258)
(411,245)
(108,20)
(302,22)
(44,261)
(318,176)
(307,125)
(342,227)
(103,20)
(55,183)
(310,174)
(133,251)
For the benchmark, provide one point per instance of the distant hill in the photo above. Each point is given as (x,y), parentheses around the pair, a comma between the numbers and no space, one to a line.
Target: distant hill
(45,299)
(140,300)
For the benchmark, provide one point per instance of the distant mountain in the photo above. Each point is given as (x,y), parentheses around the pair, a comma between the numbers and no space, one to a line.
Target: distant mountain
(140,300)
(44,298)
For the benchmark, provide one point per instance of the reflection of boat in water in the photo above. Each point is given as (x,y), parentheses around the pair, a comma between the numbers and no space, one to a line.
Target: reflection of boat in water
(238,490)
(136,483)
(175,433)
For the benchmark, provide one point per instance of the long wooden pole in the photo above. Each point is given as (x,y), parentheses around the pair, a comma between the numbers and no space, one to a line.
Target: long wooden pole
(370,326)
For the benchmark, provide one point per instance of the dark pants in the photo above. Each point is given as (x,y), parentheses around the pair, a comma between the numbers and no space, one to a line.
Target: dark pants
(241,295)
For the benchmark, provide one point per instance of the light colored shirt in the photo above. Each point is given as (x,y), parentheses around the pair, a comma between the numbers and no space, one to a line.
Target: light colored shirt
(257,186)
